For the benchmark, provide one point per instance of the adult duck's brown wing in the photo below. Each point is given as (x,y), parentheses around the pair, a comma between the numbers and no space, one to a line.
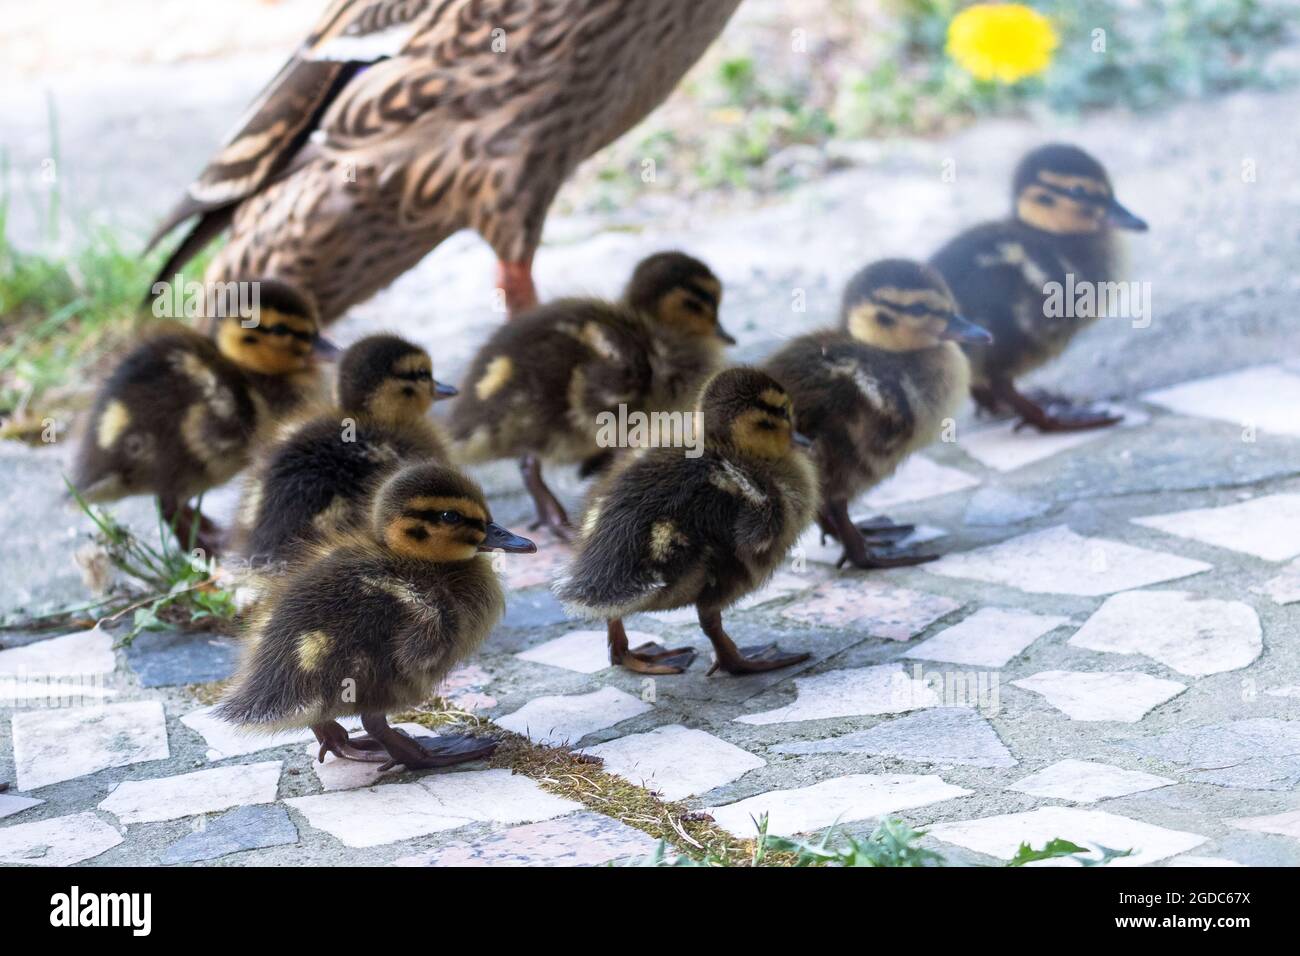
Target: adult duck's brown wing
(349,36)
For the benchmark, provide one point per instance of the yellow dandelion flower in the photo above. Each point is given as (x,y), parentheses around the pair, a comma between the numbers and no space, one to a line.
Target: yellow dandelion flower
(1005,42)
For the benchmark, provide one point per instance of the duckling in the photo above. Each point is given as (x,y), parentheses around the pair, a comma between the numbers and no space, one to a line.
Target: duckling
(320,475)
(1065,211)
(873,391)
(536,387)
(664,530)
(181,413)
(370,622)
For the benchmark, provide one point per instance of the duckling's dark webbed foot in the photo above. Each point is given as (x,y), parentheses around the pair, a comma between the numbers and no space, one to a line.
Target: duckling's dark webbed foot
(441,751)
(1052,413)
(742,660)
(550,513)
(880,529)
(334,739)
(647,658)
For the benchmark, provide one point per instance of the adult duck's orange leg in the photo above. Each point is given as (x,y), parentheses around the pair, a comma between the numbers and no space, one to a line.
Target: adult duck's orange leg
(515,279)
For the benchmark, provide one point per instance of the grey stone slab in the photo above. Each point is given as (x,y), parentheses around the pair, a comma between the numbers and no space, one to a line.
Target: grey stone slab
(941,735)
(579,839)
(176,658)
(1261,753)
(245,828)
(998,507)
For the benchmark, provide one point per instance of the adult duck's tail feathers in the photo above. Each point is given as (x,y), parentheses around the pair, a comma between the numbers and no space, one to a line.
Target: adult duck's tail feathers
(211,224)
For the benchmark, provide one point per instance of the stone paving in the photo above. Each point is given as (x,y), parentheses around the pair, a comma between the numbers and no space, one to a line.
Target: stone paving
(1116,665)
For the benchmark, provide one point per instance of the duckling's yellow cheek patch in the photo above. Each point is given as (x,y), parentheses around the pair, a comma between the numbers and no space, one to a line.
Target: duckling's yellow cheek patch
(111,424)
(498,373)
(312,648)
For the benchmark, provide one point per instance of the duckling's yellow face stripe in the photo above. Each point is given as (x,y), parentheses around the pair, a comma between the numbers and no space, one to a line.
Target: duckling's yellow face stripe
(494,378)
(1064,204)
(693,306)
(901,320)
(278,344)
(438,529)
(406,394)
(112,422)
(765,429)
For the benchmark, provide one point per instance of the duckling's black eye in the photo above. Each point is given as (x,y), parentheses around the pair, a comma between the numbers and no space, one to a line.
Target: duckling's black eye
(693,306)
(767,426)
(451,517)
(1045,199)
(885,321)
(408,391)
(250,339)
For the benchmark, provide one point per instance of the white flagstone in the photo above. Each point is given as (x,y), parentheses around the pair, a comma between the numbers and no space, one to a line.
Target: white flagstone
(1284,588)
(559,720)
(84,653)
(11,803)
(871,605)
(1194,636)
(1267,527)
(55,745)
(839,800)
(1000,836)
(1001,447)
(586,652)
(1264,397)
(990,637)
(1286,824)
(917,478)
(1190,859)
(852,692)
(187,794)
(373,816)
(1123,696)
(57,841)
(676,761)
(229,740)
(1086,781)
(1058,561)
(939,735)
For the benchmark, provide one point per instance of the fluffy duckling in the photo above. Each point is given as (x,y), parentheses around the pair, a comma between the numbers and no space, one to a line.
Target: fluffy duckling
(873,391)
(534,391)
(319,477)
(664,530)
(181,412)
(370,623)
(1062,224)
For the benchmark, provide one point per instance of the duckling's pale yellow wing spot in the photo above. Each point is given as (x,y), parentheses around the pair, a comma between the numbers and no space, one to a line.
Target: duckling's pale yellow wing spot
(664,536)
(312,648)
(112,422)
(1014,254)
(216,395)
(494,378)
(425,612)
(731,479)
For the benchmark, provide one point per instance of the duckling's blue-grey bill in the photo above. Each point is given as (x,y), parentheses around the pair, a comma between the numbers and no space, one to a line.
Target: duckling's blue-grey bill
(801,440)
(501,539)
(1121,218)
(966,331)
(324,348)
(726,336)
(442,390)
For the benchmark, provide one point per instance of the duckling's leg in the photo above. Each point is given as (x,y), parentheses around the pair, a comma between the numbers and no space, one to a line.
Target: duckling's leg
(742,660)
(333,738)
(189,525)
(443,751)
(515,279)
(1058,417)
(648,658)
(856,550)
(550,513)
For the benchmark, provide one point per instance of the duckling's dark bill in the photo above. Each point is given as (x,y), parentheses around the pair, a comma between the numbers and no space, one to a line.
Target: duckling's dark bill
(500,539)
(443,390)
(1121,218)
(966,331)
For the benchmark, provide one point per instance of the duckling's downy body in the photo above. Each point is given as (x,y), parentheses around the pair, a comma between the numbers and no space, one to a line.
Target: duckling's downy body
(1002,274)
(181,413)
(663,530)
(875,390)
(319,477)
(536,388)
(370,623)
